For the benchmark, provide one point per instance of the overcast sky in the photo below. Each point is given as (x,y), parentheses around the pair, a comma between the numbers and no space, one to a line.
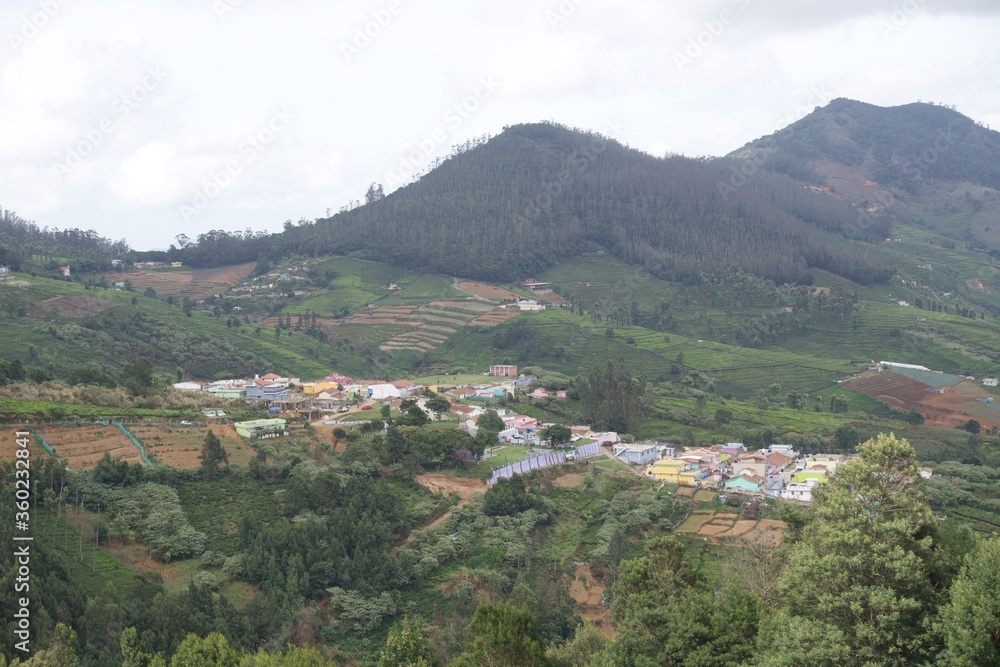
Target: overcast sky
(147,120)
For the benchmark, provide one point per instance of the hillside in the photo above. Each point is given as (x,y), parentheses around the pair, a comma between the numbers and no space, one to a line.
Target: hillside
(917,163)
(539,194)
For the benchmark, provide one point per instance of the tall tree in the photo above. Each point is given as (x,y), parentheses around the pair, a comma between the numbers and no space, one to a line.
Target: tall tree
(971,620)
(213,455)
(502,636)
(860,572)
(406,646)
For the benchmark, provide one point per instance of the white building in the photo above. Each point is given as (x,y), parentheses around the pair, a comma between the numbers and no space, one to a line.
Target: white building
(187,386)
(803,492)
(912,367)
(990,382)
(383,391)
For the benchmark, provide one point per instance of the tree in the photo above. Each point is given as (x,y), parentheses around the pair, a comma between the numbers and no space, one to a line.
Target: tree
(413,414)
(860,572)
(137,376)
(507,497)
(406,646)
(972,426)
(557,434)
(213,455)
(587,642)
(971,620)
(61,652)
(490,421)
(723,416)
(502,635)
(375,193)
(132,649)
(212,651)
(438,404)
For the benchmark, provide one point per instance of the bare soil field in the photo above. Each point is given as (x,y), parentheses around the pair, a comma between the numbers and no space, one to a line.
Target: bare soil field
(75,305)
(487,291)
(81,447)
(686,491)
(850,184)
(899,387)
(465,487)
(8,444)
(979,285)
(588,593)
(741,527)
(724,527)
(196,283)
(569,481)
(551,297)
(180,446)
(495,317)
(947,409)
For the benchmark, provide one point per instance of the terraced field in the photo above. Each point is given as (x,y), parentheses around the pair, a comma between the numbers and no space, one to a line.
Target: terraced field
(434,323)
(81,447)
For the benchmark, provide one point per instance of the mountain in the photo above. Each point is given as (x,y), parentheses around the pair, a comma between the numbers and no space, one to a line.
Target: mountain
(539,194)
(918,163)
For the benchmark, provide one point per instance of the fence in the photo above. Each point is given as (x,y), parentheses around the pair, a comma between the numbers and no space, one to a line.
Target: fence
(44,444)
(142,450)
(542,461)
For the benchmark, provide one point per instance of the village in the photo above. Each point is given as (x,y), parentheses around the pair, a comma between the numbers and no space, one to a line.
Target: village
(777,471)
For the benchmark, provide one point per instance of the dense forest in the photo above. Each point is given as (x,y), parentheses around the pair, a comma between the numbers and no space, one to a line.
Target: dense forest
(540,193)
(22,240)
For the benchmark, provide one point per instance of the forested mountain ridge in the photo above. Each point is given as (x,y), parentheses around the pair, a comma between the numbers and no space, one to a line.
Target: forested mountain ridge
(922,163)
(540,193)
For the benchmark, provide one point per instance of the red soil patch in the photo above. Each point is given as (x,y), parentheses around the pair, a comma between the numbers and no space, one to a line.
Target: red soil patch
(81,447)
(569,481)
(849,183)
(9,447)
(589,598)
(465,487)
(685,491)
(495,317)
(76,305)
(980,286)
(197,284)
(904,391)
(180,446)
(551,297)
(770,531)
(741,527)
(487,291)
(944,410)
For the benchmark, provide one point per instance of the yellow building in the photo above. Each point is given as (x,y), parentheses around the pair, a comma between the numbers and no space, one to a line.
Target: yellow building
(313,388)
(666,470)
(690,477)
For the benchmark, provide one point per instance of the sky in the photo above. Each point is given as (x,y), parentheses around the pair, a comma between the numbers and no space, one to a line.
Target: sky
(148,120)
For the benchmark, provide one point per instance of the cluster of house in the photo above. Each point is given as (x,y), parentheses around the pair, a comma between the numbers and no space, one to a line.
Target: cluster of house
(776,472)
(335,393)
(266,285)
